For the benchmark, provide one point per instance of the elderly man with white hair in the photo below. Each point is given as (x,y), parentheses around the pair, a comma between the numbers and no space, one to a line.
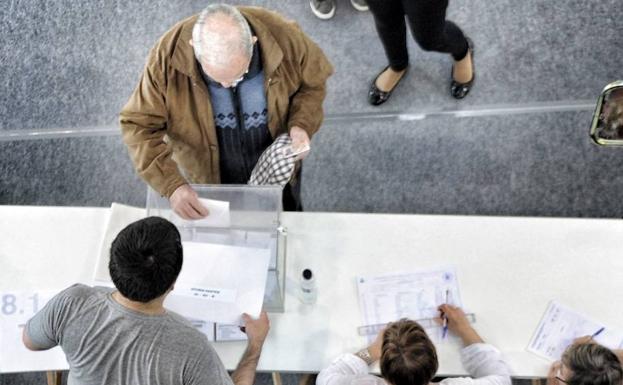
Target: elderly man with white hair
(216,91)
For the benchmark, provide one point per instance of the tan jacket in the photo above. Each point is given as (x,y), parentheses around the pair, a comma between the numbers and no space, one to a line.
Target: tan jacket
(168,120)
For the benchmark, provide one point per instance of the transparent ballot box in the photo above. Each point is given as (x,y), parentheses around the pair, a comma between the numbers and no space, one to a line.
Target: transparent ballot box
(240,215)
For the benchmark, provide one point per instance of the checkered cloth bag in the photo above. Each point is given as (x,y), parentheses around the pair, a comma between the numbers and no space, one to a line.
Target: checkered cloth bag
(274,168)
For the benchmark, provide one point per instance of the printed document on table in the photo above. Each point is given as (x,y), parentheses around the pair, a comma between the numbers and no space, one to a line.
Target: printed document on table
(220,282)
(413,295)
(560,325)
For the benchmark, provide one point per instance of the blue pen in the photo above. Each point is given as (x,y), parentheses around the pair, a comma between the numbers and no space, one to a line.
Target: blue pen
(445,319)
(598,332)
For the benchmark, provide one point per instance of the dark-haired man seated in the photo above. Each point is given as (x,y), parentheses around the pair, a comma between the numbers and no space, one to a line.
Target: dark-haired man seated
(126,336)
(408,357)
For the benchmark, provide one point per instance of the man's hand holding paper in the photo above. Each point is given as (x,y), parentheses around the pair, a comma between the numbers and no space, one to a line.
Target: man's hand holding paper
(185,202)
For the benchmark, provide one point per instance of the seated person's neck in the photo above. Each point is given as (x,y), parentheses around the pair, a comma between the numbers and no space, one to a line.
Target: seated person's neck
(153,307)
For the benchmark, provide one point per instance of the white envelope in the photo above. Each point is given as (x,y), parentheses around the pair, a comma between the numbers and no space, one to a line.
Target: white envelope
(218,217)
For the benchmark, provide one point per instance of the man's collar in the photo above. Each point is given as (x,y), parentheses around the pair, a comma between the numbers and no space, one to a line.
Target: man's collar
(272,55)
(183,58)
(255,66)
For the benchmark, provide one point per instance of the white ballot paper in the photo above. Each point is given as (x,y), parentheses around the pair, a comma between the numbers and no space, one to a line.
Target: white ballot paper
(16,308)
(218,217)
(120,216)
(414,295)
(220,282)
(560,325)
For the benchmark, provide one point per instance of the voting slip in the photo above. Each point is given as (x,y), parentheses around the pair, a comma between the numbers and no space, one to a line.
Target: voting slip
(413,295)
(218,216)
(228,333)
(560,325)
(219,332)
(220,282)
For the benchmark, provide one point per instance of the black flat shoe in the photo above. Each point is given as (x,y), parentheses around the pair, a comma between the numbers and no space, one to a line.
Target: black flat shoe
(460,90)
(377,97)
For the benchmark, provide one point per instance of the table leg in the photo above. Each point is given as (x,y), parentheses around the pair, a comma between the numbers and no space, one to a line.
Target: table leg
(55,377)
(276,378)
(308,379)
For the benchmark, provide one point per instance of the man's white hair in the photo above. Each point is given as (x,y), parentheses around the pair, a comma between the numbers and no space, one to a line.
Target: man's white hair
(214,47)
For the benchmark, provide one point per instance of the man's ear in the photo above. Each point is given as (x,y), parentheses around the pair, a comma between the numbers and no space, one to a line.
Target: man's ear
(191,42)
(254,39)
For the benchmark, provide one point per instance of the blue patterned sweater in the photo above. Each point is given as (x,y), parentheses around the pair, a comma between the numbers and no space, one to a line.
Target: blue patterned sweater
(240,117)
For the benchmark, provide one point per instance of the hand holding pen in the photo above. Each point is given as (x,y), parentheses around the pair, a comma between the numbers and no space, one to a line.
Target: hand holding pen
(454,319)
(445,318)
(588,339)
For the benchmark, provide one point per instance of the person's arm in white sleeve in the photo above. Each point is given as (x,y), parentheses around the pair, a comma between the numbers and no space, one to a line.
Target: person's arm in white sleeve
(483,362)
(349,368)
(343,370)
(485,365)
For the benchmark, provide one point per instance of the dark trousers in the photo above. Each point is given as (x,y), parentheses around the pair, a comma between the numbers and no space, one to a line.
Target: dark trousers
(427,20)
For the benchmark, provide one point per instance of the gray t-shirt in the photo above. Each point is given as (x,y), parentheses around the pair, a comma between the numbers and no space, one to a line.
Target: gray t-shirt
(107,343)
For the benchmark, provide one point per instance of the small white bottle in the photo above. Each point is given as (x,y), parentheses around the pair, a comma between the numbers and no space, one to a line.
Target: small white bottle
(308,291)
